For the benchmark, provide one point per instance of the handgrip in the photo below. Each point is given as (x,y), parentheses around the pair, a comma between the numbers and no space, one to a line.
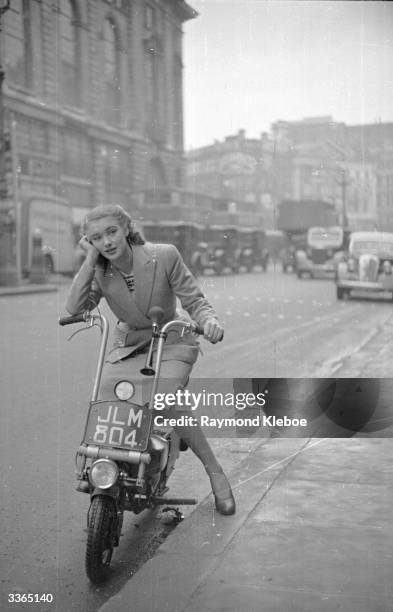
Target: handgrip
(78,318)
(156,314)
(197,329)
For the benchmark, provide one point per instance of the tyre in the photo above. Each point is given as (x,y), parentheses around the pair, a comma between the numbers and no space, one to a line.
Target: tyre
(100,538)
(340,292)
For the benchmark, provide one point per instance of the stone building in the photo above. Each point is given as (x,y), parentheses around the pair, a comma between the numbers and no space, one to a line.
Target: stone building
(372,146)
(315,159)
(238,173)
(318,162)
(94,90)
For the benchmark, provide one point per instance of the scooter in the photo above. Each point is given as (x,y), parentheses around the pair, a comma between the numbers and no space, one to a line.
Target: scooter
(123,461)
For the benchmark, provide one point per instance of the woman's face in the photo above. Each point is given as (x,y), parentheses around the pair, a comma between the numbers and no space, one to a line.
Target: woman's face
(108,235)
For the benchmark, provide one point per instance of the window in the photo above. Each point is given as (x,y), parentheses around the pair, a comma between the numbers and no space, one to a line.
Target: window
(17,43)
(111,72)
(32,135)
(177,102)
(149,17)
(69,54)
(118,172)
(77,155)
(155,75)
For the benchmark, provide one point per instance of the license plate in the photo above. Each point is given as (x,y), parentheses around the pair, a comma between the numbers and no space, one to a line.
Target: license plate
(119,425)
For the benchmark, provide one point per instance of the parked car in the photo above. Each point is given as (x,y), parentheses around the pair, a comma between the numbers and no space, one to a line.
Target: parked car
(368,267)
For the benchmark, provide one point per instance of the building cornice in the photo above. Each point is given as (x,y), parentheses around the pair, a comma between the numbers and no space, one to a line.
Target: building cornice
(182,10)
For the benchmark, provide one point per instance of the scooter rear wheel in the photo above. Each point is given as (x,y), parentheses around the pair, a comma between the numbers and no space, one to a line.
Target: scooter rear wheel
(100,539)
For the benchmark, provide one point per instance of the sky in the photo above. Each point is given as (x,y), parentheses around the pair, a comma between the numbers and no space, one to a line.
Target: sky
(250,63)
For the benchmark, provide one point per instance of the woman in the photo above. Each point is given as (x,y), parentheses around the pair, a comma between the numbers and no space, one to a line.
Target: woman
(134,276)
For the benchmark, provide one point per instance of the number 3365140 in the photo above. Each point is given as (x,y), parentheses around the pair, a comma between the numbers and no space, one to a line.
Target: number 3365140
(30,597)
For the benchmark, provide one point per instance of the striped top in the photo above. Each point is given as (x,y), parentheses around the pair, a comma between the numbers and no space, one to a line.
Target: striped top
(129,279)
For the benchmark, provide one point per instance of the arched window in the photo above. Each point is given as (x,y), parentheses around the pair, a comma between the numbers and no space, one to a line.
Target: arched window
(17,43)
(111,72)
(155,83)
(155,177)
(69,54)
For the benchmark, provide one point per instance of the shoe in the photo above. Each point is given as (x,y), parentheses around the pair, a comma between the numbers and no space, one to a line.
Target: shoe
(223,496)
(183,445)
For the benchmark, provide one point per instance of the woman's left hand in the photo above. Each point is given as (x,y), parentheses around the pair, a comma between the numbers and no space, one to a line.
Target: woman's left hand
(213,331)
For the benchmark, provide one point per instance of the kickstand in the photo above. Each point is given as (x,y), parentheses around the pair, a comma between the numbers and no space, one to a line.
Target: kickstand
(177,517)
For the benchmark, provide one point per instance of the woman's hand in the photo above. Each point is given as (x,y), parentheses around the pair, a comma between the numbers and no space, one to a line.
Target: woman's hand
(213,331)
(92,253)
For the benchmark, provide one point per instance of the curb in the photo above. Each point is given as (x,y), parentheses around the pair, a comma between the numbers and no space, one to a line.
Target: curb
(23,289)
(189,554)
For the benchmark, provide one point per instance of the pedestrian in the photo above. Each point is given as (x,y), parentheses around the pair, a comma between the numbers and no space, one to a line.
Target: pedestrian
(134,276)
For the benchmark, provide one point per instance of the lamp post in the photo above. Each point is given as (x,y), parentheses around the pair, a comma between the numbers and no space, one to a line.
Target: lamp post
(343,182)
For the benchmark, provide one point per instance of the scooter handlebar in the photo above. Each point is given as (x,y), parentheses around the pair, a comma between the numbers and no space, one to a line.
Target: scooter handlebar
(78,318)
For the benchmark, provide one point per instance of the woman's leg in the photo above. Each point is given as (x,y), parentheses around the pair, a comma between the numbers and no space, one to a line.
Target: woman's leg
(196,439)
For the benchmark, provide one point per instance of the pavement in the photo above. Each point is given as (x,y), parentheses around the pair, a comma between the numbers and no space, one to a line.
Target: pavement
(312,533)
(52,285)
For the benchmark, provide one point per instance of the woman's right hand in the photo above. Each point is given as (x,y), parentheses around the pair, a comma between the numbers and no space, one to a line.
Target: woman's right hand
(92,253)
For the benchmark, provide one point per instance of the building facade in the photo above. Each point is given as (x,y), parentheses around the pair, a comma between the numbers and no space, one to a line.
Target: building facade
(314,159)
(93,89)
(321,164)
(238,173)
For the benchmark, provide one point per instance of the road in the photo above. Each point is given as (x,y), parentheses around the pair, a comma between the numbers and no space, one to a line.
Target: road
(276,326)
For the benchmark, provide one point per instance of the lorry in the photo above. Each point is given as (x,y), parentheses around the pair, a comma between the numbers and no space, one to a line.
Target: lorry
(296,216)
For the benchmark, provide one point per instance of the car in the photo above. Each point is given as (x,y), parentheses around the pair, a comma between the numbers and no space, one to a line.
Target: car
(323,251)
(368,267)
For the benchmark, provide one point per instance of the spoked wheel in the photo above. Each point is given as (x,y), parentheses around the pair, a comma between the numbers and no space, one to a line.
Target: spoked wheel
(100,538)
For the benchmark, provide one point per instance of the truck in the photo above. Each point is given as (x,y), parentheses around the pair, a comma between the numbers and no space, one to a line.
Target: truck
(296,216)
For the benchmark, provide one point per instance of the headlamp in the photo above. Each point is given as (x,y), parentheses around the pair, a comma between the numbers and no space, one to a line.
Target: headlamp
(124,390)
(103,473)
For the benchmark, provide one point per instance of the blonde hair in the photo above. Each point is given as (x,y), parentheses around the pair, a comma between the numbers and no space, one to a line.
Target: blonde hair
(114,210)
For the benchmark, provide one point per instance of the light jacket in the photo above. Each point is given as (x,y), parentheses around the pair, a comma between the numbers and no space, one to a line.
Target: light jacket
(160,276)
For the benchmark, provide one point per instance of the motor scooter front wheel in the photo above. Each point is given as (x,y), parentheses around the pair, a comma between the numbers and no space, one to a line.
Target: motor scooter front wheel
(100,538)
